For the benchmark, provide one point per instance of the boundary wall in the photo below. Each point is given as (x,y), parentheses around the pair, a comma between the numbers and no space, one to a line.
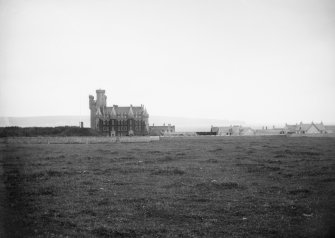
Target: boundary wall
(77,140)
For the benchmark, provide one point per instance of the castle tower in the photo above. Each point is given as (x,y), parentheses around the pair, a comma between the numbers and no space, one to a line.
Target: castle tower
(93,109)
(100,103)
(101,98)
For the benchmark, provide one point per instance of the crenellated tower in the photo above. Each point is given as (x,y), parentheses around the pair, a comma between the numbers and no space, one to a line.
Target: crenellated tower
(97,106)
(101,98)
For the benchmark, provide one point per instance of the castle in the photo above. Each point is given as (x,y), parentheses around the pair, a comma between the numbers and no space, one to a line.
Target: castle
(115,120)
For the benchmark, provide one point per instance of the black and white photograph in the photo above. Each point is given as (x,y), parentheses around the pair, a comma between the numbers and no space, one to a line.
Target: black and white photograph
(167,118)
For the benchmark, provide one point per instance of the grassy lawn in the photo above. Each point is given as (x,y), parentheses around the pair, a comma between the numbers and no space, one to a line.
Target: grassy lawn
(180,187)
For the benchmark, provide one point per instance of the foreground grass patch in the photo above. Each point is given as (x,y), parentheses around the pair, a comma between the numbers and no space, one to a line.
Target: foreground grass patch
(199,187)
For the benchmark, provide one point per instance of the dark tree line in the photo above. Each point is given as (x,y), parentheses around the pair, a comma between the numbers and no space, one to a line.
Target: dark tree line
(15,131)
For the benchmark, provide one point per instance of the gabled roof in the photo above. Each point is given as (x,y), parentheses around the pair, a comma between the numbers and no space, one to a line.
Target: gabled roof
(320,126)
(111,111)
(130,112)
(304,127)
(125,110)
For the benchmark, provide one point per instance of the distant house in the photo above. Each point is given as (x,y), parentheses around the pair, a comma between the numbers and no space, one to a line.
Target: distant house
(235,130)
(273,131)
(214,129)
(161,130)
(290,129)
(302,128)
(232,131)
(221,131)
(247,131)
(330,129)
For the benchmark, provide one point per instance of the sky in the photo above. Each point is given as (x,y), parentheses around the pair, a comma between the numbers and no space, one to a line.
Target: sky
(256,61)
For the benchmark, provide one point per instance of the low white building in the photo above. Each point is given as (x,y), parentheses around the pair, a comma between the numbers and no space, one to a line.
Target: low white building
(233,131)
(302,128)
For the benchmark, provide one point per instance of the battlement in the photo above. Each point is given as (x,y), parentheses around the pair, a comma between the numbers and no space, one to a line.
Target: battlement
(100,91)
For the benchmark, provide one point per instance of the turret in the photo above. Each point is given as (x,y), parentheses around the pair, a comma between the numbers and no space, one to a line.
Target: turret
(92,106)
(101,98)
(91,102)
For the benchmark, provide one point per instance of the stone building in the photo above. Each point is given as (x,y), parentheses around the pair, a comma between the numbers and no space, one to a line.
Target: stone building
(161,130)
(302,128)
(232,131)
(115,120)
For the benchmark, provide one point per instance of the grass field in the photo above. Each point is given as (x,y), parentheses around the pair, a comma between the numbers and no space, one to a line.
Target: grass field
(179,187)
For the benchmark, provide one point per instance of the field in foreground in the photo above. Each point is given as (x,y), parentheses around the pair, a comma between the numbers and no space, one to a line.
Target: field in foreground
(180,187)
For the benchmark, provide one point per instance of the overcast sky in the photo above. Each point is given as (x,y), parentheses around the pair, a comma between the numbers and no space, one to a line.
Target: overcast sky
(256,61)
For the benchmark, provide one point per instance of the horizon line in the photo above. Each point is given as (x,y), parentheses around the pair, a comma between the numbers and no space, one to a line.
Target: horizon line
(196,118)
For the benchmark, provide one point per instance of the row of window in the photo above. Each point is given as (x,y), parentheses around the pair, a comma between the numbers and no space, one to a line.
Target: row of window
(125,115)
(166,130)
(122,128)
(106,123)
